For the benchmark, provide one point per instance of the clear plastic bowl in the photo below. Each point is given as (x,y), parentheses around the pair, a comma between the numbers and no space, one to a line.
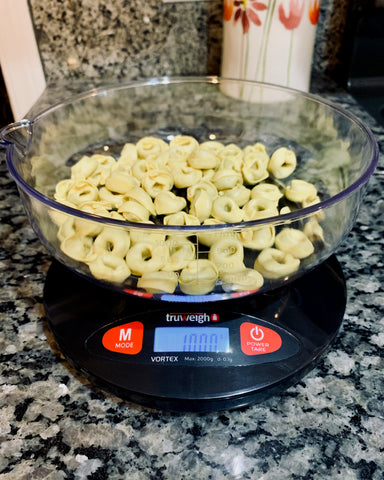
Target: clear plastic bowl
(335,152)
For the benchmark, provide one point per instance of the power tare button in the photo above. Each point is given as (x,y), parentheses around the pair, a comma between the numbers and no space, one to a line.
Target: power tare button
(258,339)
(257,333)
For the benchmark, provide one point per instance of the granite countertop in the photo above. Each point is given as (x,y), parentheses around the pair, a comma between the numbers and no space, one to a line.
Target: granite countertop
(55,425)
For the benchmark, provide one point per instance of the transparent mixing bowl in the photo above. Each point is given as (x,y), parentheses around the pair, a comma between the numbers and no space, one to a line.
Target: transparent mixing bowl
(235,247)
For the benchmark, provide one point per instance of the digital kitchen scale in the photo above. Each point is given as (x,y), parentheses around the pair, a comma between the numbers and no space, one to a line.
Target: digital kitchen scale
(195,356)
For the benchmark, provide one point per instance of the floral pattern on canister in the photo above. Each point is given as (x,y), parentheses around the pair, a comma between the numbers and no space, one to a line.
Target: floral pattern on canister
(291,20)
(247,11)
(314,11)
(270,41)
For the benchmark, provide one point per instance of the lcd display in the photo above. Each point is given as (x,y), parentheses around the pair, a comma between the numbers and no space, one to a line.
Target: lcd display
(191,339)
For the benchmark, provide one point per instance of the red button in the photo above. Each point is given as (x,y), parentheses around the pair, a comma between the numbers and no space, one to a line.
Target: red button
(258,340)
(127,338)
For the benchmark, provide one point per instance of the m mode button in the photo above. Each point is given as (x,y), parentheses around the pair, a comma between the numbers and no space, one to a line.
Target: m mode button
(127,338)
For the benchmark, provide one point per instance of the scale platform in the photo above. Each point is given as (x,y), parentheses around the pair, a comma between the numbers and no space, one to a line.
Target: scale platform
(195,357)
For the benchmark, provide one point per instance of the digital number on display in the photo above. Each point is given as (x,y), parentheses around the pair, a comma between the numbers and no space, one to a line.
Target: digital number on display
(191,339)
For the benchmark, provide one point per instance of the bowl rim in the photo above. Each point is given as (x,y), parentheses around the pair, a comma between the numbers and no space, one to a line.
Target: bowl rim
(190,229)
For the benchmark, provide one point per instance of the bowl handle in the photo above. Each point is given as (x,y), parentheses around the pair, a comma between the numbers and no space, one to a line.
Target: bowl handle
(18,134)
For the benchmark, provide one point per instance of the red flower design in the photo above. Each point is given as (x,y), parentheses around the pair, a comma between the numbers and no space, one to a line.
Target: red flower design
(246,10)
(228,9)
(314,10)
(293,19)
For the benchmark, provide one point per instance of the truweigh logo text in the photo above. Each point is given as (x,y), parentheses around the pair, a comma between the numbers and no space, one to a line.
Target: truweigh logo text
(192,317)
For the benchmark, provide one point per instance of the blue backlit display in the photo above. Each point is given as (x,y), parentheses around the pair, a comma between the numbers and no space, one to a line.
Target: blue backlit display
(191,339)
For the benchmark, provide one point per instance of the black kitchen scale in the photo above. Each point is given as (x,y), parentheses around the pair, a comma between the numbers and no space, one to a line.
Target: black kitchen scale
(195,356)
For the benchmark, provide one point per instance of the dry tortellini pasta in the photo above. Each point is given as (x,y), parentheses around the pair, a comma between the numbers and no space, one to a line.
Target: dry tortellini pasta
(108,266)
(157,282)
(242,280)
(185,182)
(273,263)
(227,254)
(198,277)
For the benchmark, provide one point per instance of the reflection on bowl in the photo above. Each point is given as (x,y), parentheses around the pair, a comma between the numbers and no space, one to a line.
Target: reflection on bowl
(176,190)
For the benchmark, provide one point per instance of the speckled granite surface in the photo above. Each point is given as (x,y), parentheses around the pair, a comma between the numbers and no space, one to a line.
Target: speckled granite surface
(131,39)
(54,425)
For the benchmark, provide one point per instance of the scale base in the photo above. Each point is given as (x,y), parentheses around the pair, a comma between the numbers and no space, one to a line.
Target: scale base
(306,315)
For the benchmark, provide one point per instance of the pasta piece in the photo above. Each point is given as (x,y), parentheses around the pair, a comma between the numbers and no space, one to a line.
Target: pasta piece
(300,191)
(62,188)
(295,242)
(203,159)
(84,168)
(133,211)
(282,163)
(167,203)
(169,159)
(149,148)
(66,229)
(227,254)
(113,199)
(139,195)
(156,181)
(82,191)
(239,194)
(112,240)
(79,248)
(285,210)
(162,162)
(109,267)
(198,277)
(320,215)
(103,160)
(106,163)
(209,237)
(231,157)
(58,217)
(116,216)
(273,263)
(185,176)
(181,218)
(256,153)
(86,228)
(140,169)
(184,145)
(146,257)
(205,185)
(128,155)
(267,190)
(313,230)
(201,205)
(121,167)
(141,235)
(224,179)
(213,145)
(256,147)
(181,252)
(226,210)
(208,174)
(245,279)
(259,208)
(258,238)
(158,282)
(254,169)
(120,182)
(96,208)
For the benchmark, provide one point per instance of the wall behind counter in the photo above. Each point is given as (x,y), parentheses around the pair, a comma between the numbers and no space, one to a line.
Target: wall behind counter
(131,39)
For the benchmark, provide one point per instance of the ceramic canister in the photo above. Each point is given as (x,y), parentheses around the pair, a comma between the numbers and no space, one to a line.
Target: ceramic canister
(270,41)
